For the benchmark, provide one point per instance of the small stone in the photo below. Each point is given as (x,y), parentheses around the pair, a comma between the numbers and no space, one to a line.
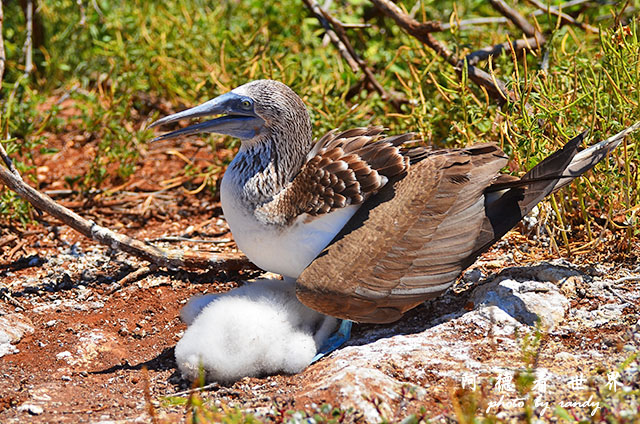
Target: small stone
(565,356)
(63,355)
(31,408)
(473,276)
(65,378)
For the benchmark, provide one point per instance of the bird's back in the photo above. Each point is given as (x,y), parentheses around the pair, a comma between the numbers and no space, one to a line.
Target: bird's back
(408,242)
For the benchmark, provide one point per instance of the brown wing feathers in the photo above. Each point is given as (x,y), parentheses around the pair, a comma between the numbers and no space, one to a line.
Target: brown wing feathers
(342,169)
(426,225)
(510,199)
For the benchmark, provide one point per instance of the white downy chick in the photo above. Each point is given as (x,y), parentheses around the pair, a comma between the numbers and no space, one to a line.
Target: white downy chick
(258,329)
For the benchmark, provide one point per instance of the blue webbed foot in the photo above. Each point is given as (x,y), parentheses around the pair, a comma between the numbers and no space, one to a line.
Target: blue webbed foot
(334,341)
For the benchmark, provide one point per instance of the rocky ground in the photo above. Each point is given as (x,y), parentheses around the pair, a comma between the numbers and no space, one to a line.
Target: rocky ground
(81,341)
(78,347)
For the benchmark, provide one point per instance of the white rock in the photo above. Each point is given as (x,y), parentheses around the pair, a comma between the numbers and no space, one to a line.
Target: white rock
(31,408)
(355,384)
(63,356)
(525,301)
(565,356)
(12,328)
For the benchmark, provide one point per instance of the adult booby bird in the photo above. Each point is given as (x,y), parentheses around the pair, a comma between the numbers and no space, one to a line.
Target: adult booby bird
(367,227)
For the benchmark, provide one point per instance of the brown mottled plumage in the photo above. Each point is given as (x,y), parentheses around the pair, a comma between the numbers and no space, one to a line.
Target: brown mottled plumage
(342,169)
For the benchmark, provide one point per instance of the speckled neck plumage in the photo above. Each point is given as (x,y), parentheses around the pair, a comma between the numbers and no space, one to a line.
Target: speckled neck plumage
(265,167)
(266,164)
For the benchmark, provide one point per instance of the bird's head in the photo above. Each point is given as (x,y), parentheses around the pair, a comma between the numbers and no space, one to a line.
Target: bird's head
(262,109)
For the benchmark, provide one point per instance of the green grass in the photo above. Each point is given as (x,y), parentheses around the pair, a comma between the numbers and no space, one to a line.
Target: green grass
(188,51)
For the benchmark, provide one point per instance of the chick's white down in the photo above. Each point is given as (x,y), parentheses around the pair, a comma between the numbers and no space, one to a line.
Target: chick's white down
(258,329)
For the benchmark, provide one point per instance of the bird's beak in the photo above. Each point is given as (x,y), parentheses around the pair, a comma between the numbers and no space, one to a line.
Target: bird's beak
(238,120)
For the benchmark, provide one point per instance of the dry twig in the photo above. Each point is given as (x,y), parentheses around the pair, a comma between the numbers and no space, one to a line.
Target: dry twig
(423,32)
(133,277)
(466,23)
(564,17)
(28,42)
(338,36)
(179,239)
(514,16)
(196,389)
(485,53)
(4,294)
(83,15)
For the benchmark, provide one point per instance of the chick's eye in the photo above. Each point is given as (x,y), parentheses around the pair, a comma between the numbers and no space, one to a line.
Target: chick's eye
(246,104)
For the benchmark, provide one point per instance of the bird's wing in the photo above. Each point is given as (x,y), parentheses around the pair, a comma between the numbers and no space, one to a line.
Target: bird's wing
(342,169)
(409,242)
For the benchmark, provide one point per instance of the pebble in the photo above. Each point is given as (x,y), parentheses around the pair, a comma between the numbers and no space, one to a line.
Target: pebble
(566,356)
(63,355)
(473,276)
(31,408)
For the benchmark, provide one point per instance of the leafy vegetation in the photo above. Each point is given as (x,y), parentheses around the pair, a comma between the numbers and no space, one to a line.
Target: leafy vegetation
(118,60)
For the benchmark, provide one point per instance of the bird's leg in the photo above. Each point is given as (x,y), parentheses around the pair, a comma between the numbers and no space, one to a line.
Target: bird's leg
(334,341)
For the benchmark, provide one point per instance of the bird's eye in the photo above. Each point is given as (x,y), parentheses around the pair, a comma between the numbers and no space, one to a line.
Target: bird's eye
(245,104)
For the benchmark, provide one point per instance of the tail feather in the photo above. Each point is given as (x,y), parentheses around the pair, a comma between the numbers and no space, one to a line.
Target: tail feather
(588,158)
(507,202)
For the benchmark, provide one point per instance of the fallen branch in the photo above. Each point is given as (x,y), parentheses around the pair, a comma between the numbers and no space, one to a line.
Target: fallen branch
(171,259)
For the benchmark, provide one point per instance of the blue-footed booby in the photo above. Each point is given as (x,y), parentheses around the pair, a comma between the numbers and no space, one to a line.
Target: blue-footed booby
(367,227)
